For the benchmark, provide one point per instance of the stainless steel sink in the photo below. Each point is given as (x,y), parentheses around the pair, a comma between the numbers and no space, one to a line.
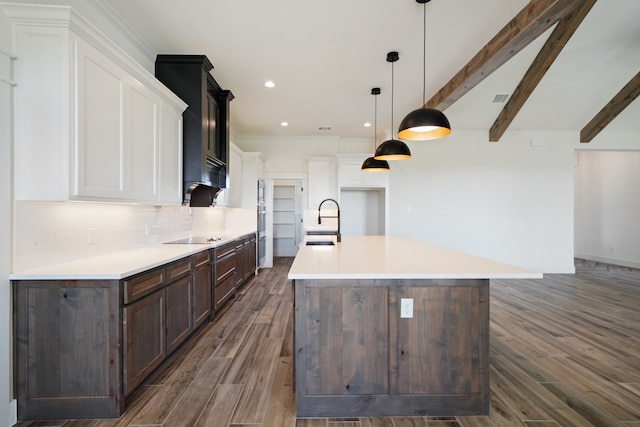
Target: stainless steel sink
(320,243)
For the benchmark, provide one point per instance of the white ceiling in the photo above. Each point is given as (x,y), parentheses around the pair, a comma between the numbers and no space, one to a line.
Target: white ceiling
(325,56)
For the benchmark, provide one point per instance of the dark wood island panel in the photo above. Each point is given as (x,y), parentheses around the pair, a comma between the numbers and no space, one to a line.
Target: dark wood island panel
(355,355)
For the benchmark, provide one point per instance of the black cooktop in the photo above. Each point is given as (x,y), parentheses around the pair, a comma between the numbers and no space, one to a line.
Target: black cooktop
(197,240)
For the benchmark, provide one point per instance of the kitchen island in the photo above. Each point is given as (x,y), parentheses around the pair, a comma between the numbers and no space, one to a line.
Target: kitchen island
(391,326)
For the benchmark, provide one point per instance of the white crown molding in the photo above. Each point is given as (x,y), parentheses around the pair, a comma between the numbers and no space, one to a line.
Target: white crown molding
(121,25)
(56,16)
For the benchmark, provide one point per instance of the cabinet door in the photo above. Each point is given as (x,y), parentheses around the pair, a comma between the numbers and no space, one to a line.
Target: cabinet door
(212,121)
(67,349)
(179,312)
(144,333)
(253,255)
(99,143)
(323,181)
(240,267)
(249,257)
(170,155)
(235,184)
(142,143)
(202,287)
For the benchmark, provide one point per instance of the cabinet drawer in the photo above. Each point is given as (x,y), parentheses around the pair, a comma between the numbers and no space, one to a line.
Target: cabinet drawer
(225,267)
(136,287)
(201,259)
(225,250)
(178,269)
(224,290)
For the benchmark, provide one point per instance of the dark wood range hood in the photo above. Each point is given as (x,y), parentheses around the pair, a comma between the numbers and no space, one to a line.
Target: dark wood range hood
(205,125)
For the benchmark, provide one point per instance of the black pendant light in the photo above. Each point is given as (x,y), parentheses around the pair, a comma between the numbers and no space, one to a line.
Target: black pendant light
(392,149)
(424,123)
(371,164)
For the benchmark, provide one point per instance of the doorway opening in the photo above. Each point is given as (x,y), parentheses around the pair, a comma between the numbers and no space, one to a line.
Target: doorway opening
(287,217)
(362,211)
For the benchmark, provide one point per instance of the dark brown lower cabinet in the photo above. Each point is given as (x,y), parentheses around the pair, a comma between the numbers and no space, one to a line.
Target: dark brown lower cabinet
(252,256)
(179,312)
(82,346)
(67,349)
(202,288)
(357,357)
(144,333)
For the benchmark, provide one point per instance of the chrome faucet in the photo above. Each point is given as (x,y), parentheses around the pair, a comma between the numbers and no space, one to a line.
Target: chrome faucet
(338,235)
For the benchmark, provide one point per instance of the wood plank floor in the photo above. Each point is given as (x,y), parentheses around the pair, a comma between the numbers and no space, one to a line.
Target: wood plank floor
(565,351)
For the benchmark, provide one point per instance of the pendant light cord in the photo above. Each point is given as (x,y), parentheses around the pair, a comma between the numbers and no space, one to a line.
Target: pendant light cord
(424,54)
(375,124)
(392,80)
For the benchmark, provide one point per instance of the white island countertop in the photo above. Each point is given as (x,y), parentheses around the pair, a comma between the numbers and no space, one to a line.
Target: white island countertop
(386,257)
(121,264)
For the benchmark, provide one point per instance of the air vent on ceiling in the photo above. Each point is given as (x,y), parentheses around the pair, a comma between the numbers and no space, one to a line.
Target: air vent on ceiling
(324,128)
(500,98)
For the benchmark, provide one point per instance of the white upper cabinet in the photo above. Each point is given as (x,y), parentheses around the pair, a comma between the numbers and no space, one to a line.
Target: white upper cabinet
(322,180)
(252,171)
(351,175)
(99,138)
(91,123)
(170,154)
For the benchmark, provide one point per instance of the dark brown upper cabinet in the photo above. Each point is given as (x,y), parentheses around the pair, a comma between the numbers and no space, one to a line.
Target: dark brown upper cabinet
(206,120)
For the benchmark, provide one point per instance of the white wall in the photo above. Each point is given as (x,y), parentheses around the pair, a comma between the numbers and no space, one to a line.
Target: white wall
(7,409)
(607,207)
(53,232)
(508,201)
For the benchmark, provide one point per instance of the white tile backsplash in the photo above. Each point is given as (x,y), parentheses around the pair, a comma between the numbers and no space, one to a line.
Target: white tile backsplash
(47,233)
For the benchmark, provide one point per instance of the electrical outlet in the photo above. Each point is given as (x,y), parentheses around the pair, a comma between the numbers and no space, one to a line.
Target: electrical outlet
(406,308)
(91,236)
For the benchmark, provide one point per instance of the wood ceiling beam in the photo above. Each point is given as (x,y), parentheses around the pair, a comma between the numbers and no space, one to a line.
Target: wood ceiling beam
(533,20)
(545,58)
(610,111)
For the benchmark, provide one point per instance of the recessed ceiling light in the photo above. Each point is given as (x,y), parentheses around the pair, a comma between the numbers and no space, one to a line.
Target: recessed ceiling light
(269,83)
(284,124)
(367,125)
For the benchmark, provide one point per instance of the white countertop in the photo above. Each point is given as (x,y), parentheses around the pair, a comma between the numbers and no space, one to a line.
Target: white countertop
(385,257)
(121,264)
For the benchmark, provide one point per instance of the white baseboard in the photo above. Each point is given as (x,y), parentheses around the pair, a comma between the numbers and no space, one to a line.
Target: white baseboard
(607,260)
(13,412)
(555,269)
(551,269)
